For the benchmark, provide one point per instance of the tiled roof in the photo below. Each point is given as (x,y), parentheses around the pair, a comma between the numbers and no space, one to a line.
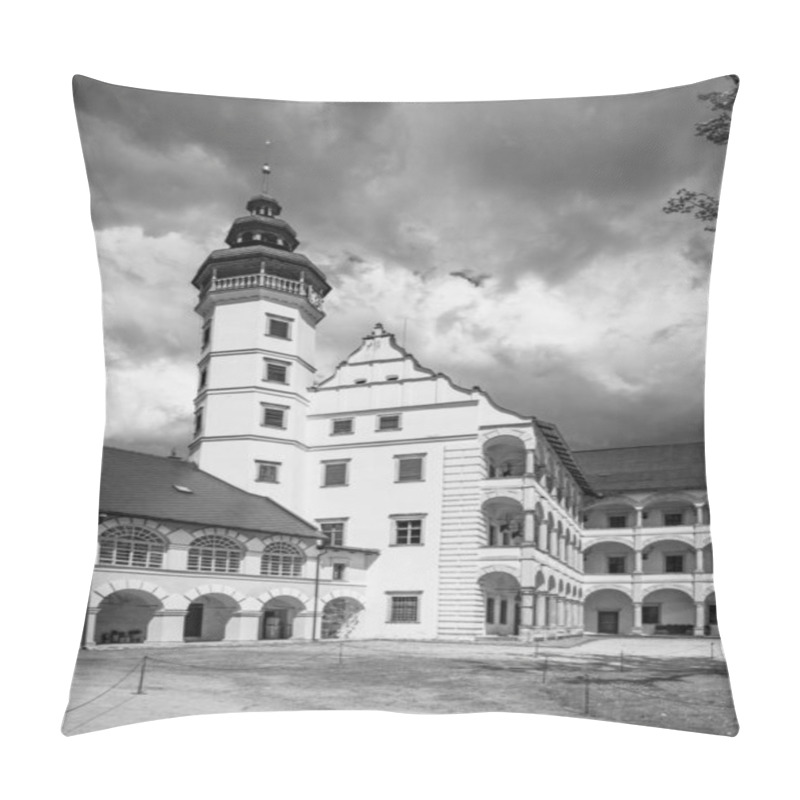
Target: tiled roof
(561,448)
(143,485)
(645,468)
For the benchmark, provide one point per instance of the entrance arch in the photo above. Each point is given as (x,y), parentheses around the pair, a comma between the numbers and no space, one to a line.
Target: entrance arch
(277,618)
(501,603)
(124,616)
(505,456)
(608,611)
(207,617)
(339,617)
(674,609)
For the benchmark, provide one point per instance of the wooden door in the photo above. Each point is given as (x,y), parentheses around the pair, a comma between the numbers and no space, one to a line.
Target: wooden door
(608,621)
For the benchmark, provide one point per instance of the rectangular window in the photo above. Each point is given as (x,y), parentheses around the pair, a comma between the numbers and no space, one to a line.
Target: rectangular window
(618,521)
(339,426)
(389,422)
(404,608)
(280,327)
(198,421)
(651,615)
(338,571)
(712,614)
(334,473)
(267,471)
(616,565)
(673,564)
(203,378)
(503,612)
(206,336)
(490,610)
(410,468)
(408,531)
(673,519)
(273,416)
(334,530)
(276,371)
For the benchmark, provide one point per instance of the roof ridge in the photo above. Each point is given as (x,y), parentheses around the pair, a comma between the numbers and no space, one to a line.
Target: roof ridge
(638,446)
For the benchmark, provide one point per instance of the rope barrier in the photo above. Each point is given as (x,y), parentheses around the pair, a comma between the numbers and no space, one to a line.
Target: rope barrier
(106,691)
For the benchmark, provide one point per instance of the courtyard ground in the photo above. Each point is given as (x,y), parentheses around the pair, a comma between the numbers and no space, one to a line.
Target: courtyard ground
(665,682)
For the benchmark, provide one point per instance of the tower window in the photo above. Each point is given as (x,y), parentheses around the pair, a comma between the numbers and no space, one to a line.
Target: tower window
(389,422)
(279,327)
(267,471)
(206,335)
(273,416)
(334,473)
(340,426)
(276,371)
(198,421)
(203,378)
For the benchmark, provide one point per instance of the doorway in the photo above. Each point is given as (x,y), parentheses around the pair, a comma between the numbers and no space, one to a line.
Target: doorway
(608,621)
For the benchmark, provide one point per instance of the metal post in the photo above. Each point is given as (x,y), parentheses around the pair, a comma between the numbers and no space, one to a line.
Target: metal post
(320,551)
(621,660)
(140,690)
(586,694)
(544,671)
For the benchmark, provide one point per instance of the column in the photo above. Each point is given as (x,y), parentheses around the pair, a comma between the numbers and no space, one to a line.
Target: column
(166,626)
(698,564)
(639,517)
(88,629)
(243,627)
(638,563)
(526,613)
(541,610)
(529,531)
(700,515)
(529,462)
(541,536)
(301,629)
(637,618)
(699,618)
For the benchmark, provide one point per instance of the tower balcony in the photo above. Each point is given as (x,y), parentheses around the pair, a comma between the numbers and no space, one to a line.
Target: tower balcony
(263,280)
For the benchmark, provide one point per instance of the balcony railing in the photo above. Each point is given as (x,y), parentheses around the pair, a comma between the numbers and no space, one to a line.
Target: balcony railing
(265,281)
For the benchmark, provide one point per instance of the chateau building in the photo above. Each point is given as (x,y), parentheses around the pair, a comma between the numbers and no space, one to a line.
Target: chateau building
(382,501)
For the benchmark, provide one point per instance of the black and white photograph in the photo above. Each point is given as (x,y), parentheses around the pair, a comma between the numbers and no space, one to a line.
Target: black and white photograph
(406,394)
(400,400)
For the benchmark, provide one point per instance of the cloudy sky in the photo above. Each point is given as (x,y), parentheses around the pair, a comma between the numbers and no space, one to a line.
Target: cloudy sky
(577,299)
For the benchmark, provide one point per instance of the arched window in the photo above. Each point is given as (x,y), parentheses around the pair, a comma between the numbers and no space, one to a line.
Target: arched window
(212,553)
(131,546)
(281,559)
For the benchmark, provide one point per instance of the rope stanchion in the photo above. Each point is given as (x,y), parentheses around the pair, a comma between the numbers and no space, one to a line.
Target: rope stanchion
(106,691)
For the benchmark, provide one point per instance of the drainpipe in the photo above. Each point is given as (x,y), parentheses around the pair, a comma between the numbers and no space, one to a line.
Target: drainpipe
(320,550)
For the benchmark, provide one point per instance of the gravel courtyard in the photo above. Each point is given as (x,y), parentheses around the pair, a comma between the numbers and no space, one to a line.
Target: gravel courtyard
(671,682)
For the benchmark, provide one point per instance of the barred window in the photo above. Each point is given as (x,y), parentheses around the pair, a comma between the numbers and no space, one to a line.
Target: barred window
(279,327)
(342,426)
(404,608)
(213,553)
(283,560)
(273,416)
(276,371)
(410,468)
(675,518)
(131,546)
(267,471)
(334,473)
(389,422)
(651,615)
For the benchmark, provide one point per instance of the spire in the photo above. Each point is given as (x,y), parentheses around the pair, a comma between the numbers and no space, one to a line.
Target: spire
(265,169)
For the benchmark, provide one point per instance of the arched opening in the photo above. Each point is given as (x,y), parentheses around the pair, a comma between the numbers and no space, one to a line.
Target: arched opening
(505,520)
(668,611)
(505,457)
(277,619)
(124,616)
(613,514)
(608,611)
(340,617)
(668,556)
(207,618)
(608,558)
(708,559)
(501,603)
(669,513)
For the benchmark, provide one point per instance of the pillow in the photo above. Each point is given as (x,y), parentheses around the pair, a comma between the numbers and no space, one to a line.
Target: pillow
(430,441)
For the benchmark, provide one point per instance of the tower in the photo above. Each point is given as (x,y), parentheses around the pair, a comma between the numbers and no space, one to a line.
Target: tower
(260,302)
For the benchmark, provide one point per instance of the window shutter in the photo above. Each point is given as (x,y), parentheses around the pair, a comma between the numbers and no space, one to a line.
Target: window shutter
(410,469)
(335,474)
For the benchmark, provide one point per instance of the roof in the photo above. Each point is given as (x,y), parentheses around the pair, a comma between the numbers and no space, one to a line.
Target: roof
(143,485)
(643,468)
(561,448)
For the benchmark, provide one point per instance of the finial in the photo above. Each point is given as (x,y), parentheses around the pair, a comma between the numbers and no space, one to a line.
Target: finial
(265,170)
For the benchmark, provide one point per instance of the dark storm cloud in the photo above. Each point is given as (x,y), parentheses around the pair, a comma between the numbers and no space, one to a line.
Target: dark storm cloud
(497,193)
